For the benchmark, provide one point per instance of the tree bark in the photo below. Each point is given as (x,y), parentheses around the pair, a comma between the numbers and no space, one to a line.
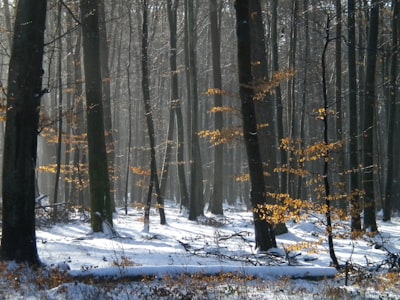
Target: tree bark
(101,210)
(264,233)
(355,204)
(154,182)
(369,119)
(217,189)
(196,201)
(387,208)
(106,83)
(18,240)
(265,108)
(176,104)
(283,156)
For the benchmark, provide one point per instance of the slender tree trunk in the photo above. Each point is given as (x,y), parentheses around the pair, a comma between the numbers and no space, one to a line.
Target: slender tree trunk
(60,116)
(338,96)
(196,203)
(106,83)
(355,203)
(150,125)
(217,189)
(387,209)
(128,76)
(172,19)
(292,111)
(326,157)
(264,233)
(101,209)
(283,156)
(370,120)
(18,241)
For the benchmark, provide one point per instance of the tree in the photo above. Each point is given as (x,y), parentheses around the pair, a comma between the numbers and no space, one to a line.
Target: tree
(18,240)
(154,182)
(264,233)
(172,7)
(326,154)
(196,203)
(217,190)
(369,119)
(268,140)
(101,210)
(355,203)
(283,156)
(387,209)
(105,72)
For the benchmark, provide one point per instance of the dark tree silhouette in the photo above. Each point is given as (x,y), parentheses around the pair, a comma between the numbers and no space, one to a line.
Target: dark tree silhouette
(264,233)
(100,199)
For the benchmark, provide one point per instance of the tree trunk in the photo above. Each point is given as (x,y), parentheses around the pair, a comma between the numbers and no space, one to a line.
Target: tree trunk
(101,209)
(283,156)
(326,156)
(60,113)
(355,203)
(176,102)
(387,209)
(217,189)
(196,203)
(268,140)
(7,15)
(264,233)
(150,125)
(106,83)
(130,100)
(338,96)
(370,120)
(18,240)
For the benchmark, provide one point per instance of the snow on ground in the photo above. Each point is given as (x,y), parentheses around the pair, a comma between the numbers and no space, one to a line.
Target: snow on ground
(213,258)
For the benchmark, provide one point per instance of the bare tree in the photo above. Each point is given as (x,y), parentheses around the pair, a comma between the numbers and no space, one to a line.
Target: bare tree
(101,210)
(264,233)
(18,240)
(217,189)
(369,119)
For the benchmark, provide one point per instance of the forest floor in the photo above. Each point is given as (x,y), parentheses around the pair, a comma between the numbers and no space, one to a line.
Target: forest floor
(213,258)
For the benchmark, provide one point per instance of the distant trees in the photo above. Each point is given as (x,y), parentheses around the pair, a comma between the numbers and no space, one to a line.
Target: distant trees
(24,93)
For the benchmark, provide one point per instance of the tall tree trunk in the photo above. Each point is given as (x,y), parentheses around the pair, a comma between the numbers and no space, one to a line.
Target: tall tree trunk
(355,210)
(217,189)
(176,102)
(338,96)
(18,241)
(326,156)
(283,156)
(101,209)
(60,116)
(369,119)
(130,100)
(387,209)
(268,140)
(106,82)
(196,201)
(150,125)
(264,233)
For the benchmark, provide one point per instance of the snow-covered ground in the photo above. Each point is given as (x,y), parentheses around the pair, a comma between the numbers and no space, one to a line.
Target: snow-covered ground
(213,258)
